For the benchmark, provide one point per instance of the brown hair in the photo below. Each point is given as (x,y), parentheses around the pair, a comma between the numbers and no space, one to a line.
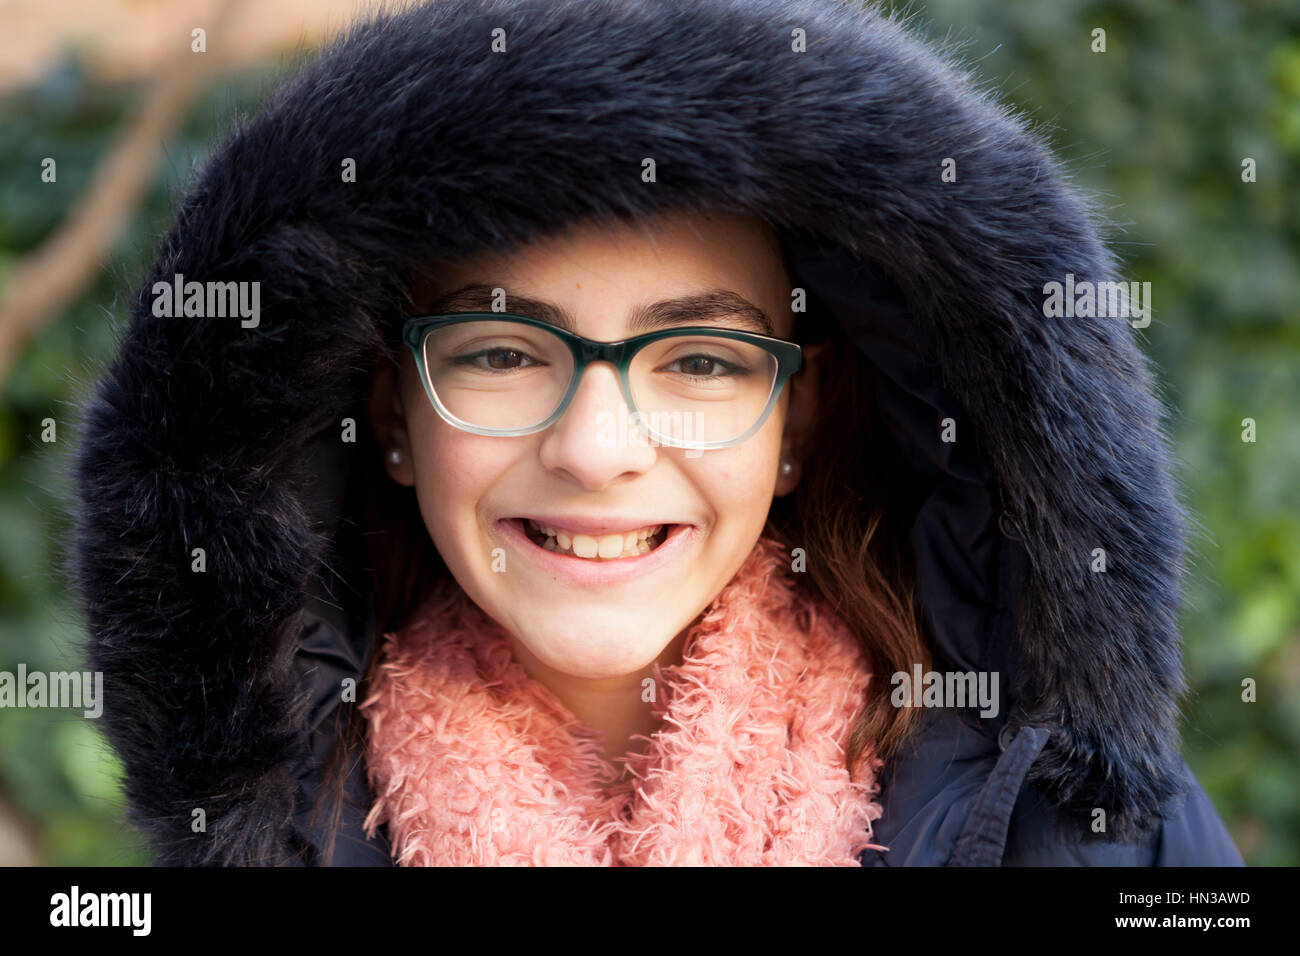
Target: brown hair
(850,513)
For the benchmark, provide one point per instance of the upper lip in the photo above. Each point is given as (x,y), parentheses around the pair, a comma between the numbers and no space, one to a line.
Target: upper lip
(595,524)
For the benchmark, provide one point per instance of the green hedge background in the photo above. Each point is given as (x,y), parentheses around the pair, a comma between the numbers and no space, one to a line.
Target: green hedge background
(1158,126)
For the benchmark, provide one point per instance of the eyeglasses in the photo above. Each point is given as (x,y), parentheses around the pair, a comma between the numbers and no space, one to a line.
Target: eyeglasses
(497,373)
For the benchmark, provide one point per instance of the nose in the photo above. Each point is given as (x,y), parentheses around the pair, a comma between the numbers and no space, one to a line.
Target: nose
(594,442)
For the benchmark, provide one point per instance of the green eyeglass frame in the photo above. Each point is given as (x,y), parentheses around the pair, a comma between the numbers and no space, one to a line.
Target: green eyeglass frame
(788,355)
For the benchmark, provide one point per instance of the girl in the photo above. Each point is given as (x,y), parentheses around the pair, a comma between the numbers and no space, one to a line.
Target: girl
(653,448)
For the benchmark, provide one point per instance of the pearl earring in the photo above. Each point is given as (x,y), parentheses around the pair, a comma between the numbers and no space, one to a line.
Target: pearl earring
(395,455)
(787,468)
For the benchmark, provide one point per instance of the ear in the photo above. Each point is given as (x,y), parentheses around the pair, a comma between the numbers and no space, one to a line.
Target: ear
(388,422)
(800,417)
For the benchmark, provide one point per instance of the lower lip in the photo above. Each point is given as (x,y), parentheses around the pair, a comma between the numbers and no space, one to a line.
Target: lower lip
(591,572)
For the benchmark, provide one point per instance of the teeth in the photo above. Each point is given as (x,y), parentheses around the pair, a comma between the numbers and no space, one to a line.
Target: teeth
(606,546)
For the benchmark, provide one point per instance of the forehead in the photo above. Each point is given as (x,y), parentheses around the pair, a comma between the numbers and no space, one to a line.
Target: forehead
(611,274)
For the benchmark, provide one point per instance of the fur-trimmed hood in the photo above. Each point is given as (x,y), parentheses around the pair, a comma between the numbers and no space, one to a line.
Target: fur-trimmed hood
(222,686)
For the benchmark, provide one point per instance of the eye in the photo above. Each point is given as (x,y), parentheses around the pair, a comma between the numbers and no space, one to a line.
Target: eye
(497,359)
(700,365)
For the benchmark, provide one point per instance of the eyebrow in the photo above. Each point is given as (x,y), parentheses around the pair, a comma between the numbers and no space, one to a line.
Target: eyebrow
(712,306)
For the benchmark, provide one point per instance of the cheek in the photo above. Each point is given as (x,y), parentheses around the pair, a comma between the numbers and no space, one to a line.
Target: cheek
(739,482)
(453,471)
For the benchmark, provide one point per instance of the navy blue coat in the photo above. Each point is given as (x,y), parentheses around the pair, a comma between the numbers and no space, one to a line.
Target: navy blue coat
(831,122)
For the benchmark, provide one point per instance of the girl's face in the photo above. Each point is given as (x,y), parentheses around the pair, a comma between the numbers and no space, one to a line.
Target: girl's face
(582,616)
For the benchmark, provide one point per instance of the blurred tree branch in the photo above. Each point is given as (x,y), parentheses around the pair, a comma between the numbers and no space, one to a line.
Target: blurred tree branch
(56,273)
(19,840)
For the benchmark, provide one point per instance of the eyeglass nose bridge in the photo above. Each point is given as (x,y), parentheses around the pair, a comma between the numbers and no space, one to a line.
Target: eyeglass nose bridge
(612,352)
(588,351)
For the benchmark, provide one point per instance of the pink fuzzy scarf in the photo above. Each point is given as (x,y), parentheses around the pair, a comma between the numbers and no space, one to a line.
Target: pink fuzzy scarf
(475,763)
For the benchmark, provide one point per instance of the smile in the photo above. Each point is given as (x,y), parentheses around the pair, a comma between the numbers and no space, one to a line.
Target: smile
(585,555)
(604,547)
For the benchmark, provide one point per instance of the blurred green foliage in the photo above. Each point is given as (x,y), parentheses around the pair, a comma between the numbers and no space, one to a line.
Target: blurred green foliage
(1157,126)
(55,769)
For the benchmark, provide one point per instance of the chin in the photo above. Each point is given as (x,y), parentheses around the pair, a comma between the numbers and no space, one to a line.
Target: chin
(591,647)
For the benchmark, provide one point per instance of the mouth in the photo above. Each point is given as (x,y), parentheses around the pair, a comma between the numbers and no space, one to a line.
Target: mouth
(632,543)
(615,553)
